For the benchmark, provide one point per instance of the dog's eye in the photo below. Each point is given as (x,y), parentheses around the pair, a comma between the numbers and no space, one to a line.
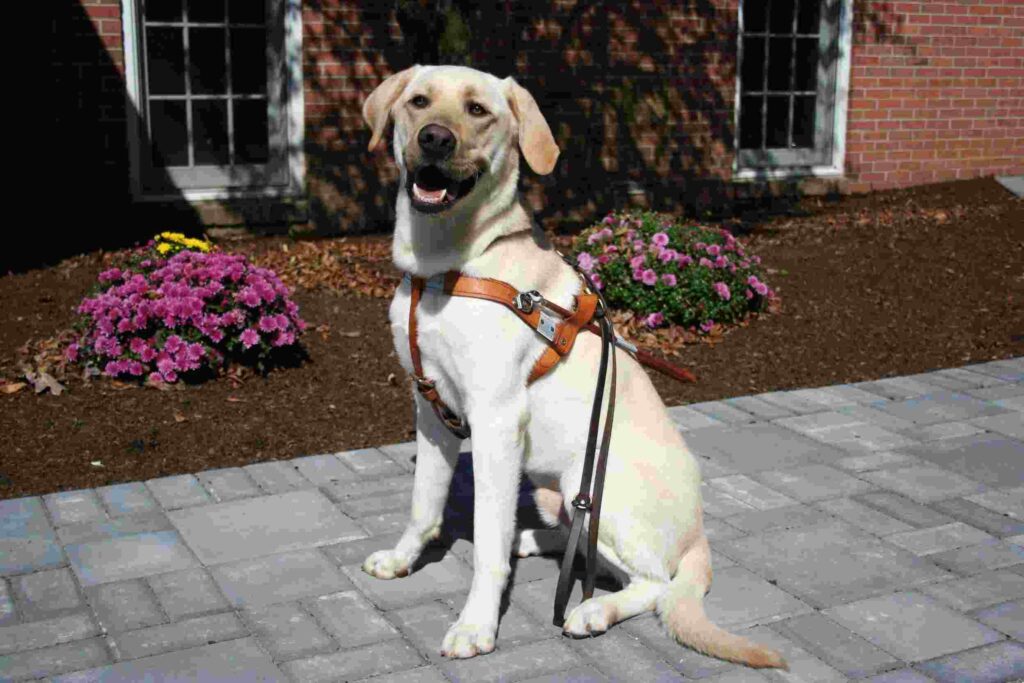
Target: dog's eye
(420,102)
(476,109)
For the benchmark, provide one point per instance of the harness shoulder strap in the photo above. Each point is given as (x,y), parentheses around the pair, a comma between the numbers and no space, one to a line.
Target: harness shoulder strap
(425,386)
(560,330)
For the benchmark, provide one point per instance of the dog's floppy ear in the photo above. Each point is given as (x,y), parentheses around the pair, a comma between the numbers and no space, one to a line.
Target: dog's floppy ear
(377,107)
(535,139)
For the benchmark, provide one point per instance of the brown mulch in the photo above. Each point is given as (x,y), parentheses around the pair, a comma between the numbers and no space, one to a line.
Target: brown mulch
(871,286)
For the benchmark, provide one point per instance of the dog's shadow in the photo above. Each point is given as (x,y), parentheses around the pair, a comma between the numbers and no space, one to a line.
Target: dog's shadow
(458,524)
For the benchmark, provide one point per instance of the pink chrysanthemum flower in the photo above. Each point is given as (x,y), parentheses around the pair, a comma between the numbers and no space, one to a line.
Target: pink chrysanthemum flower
(654,319)
(249,338)
(722,290)
(668,279)
(649,277)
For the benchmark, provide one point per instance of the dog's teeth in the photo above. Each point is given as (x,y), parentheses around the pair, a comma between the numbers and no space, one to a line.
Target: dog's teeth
(429,196)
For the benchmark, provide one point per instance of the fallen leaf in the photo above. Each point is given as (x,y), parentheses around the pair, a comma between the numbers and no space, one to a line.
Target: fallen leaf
(352,334)
(392,379)
(178,417)
(42,381)
(13,387)
(96,463)
(235,399)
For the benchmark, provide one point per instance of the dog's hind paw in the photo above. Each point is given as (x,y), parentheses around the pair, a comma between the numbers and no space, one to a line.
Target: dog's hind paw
(587,619)
(387,564)
(468,640)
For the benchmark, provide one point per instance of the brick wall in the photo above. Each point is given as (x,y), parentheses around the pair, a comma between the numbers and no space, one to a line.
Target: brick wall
(87,61)
(636,92)
(937,92)
(640,94)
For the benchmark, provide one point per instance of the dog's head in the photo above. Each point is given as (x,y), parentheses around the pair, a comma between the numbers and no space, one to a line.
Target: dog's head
(455,126)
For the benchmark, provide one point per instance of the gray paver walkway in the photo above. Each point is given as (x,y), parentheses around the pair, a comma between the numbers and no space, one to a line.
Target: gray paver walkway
(869,532)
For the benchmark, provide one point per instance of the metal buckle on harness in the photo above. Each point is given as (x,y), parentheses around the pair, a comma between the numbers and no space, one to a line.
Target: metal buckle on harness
(423,384)
(581,502)
(525,301)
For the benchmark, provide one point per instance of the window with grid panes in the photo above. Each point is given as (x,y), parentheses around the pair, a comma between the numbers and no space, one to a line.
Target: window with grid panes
(213,80)
(787,74)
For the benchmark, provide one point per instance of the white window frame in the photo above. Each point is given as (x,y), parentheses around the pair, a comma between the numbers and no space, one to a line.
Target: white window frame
(836,167)
(293,111)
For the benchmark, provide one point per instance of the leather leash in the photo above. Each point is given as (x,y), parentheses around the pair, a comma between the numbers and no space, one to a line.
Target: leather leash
(583,503)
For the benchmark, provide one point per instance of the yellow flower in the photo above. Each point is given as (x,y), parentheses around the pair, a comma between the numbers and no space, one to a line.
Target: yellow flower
(163,248)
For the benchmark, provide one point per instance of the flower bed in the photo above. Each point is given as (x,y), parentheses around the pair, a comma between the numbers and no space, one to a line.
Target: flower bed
(666,272)
(177,308)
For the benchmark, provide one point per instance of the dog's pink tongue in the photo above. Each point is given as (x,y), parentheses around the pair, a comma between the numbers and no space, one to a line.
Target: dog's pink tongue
(429,196)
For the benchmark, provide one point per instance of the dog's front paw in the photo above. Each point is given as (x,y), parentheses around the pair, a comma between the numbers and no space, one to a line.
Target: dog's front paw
(387,564)
(587,619)
(468,640)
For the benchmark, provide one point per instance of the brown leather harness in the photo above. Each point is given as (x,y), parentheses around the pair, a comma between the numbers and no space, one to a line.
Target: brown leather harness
(559,327)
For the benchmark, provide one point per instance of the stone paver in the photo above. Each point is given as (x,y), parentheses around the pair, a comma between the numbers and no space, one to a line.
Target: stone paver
(288,631)
(938,539)
(126,499)
(27,541)
(836,645)
(992,554)
(863,516)
(526,661)
(178,491)
(70,507)
(235,660)
(281,577)
(361,662)
(1002,501)
(830,563)
(125,605)
(980,517)
(45,594)
(187,593)
(350,618)
(739,598)
(761,446)
(924,483)
(117,527)
(813,482)
(979,590)
(995,663)
(261,526)
(869,532)
(436,579)
(941,406)
(36,634)
(1007,617)
(912,626)
(129,557)
(992,459)
(212,628)
(228,484)
(56,659)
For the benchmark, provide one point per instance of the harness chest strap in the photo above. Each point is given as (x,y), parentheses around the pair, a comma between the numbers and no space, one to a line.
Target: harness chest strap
(560,331)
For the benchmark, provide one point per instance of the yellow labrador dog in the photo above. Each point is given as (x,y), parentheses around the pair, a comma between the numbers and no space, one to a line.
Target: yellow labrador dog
(458,136)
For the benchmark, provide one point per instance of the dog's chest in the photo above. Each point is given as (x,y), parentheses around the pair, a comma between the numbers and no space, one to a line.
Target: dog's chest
(462,342)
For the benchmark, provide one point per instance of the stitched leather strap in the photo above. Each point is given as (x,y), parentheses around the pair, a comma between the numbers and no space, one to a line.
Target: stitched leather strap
(583,503)
(425,386)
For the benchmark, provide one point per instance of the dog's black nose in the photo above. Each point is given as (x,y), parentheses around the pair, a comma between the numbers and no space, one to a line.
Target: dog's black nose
(437,142)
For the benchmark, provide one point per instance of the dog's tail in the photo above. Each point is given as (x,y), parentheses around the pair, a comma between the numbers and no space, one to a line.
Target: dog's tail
(681,610)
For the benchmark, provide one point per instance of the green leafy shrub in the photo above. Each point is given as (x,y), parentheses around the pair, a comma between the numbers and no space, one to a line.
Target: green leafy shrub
(667,272)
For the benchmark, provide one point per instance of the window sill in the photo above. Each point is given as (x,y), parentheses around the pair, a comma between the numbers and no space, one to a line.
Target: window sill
(755,174)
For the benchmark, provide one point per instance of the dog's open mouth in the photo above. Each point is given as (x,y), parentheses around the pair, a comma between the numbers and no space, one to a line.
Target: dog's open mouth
(432,190)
